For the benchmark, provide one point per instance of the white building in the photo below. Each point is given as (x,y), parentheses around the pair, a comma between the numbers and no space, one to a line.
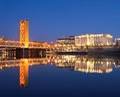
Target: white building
(94,40)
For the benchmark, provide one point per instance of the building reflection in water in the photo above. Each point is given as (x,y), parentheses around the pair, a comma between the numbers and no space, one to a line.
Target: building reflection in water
(94,66)
(84,64)
(24,70)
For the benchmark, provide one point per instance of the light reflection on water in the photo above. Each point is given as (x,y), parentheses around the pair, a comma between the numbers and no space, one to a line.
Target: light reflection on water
(79,64)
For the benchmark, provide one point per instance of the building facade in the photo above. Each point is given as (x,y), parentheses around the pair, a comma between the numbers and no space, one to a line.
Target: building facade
(24,32)
(94,40)
(117,42)
(70,40)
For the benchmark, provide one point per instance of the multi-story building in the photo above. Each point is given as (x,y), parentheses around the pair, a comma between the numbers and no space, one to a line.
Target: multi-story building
(2,39)
(117,42)
(24,32)
(94,40)
(70,40)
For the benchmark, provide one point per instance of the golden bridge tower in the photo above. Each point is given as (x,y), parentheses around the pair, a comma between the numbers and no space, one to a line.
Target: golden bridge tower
(24,69)
(24,32)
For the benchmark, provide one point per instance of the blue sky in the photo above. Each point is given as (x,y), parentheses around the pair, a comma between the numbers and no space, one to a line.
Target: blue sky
(52,19)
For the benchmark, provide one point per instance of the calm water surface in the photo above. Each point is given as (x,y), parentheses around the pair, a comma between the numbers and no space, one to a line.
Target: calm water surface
(60,76)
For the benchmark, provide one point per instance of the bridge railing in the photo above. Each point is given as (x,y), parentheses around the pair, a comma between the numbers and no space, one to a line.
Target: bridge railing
(9,43)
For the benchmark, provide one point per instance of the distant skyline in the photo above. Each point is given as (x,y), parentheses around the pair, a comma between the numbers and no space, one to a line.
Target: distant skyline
(53,19)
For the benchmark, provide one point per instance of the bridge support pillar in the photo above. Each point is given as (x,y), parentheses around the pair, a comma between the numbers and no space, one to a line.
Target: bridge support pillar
(22,53)
(29,53)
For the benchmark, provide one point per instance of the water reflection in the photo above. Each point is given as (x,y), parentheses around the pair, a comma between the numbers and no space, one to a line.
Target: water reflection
(24,69)
(85,64)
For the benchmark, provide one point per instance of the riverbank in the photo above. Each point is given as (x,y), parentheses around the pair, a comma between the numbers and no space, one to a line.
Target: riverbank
(93,51)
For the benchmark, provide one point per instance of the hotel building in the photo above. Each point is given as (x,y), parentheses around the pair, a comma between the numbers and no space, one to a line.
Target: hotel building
(94,40)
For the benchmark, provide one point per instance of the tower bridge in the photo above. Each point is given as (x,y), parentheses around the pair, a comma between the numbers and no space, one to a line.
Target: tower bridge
(24,39)
(24,46)
(17,44)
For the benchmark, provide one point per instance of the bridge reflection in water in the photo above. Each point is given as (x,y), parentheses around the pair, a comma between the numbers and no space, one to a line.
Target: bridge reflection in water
(24,69)
(84,64)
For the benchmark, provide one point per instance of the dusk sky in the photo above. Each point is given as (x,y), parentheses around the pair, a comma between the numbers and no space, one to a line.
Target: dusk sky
(52,19)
